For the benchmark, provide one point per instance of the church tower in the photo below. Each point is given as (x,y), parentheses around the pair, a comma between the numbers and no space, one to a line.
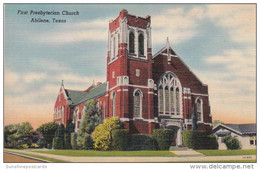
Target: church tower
(129,72)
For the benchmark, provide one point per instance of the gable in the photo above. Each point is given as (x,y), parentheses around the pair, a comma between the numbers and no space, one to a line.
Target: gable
(161,64)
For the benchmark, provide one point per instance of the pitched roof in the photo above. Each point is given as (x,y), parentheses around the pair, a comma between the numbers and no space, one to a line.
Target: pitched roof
(243,128)
(239,128)
(76,97)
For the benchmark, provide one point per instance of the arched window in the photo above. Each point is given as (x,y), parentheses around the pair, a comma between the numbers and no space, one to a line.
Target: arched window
(62,114)
(172,101)
(141,44)
(131,42)
(199,109)
(169,94)
(177,101)
(166,90)
(75,119)
(137,104)
(113,104)
(114,47)
(160,96)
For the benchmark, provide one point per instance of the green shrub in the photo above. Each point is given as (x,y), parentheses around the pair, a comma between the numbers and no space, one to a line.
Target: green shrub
(199,140)
(142,142)
(35,145)
(164,138)
(232,143)
(58,140)
(57,143)
(67,138)
(73,140)
(102,133)
(120,139)
(84,142)
(25,146)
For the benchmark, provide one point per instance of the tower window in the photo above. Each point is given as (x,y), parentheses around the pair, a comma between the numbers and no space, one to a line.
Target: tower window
(137,104)
(113,104)
(131,43)
(141,44)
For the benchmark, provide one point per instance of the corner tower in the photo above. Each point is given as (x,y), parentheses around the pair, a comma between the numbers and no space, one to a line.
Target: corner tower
(129,72)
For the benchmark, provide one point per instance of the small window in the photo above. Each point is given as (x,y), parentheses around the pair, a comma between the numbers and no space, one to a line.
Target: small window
(141,44)
(137,72)
(131,43)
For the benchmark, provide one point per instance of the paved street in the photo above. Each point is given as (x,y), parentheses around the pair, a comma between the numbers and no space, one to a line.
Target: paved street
(181,158)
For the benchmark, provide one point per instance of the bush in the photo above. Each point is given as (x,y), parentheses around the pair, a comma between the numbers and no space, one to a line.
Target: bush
(67,138)
(25,146)
(232,143)
(84,142)
(199,140)
(164,138)
(142,142)
(70,128)
(34,145)
(57,143)
(58,140)
(48,132)
(120,139)
(73,140)
(102,133)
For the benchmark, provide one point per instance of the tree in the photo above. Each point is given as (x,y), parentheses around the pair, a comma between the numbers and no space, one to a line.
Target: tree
(91,119)
(70,128)
(48,131)
(18,135)
(232,143)
(102,134)
(58,140)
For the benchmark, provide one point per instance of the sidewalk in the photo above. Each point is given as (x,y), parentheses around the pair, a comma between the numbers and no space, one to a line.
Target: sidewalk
(141,159)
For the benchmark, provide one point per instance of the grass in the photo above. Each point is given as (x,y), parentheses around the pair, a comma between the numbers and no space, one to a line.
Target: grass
(40,157)
(91,153)
(227,152)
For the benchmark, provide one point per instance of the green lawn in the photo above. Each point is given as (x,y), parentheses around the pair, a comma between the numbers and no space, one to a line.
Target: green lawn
(227,152)
(93,153)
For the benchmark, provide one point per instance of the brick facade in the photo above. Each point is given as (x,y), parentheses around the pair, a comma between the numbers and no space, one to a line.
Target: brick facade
(132,84)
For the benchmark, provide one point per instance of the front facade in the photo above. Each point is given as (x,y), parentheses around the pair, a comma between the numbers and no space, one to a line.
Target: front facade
(245,133)
(145,91)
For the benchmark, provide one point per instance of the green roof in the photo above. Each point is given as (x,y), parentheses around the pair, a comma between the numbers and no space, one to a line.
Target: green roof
(76,97)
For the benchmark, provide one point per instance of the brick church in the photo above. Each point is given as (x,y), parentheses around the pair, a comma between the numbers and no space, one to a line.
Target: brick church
(146,91)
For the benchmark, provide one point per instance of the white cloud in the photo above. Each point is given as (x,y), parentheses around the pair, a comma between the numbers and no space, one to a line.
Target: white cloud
(232,85)
(176,24)
(32,77)
(238,19)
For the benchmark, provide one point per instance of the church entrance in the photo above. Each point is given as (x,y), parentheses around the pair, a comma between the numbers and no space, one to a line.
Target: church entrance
(176,126)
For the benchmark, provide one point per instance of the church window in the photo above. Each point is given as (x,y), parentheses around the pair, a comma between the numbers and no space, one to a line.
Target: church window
(104,110)
(137,104)
(114,47)
(113,104)
(141,44)
(177,101)
(169,95)
(131,43)
(160,95)
(199,109)
(166,91)
(172,100)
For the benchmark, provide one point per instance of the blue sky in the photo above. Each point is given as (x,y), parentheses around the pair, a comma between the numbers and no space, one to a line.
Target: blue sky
(216,41)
